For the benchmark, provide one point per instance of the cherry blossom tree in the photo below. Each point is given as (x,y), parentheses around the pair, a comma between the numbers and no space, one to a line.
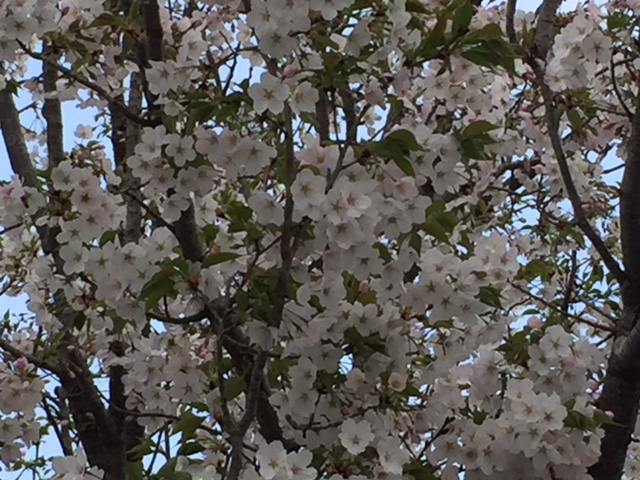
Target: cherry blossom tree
(340,239)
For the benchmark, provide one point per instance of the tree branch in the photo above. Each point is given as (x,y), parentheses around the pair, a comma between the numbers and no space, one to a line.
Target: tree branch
(616,90)
(51,110)
(100,439)
(572,193)
(562,311)
(69,74)
(63,437)
(630,210)
(286,246)
(545,28)
(38,362)
(509,17)
(198,317)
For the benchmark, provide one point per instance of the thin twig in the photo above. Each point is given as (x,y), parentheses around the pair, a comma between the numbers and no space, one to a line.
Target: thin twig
(614,84)
(168,416)
(65,441)
(155,215)
(547,304)
(12,227)
(595,308)
(197,317)
(566,300)
(239,431)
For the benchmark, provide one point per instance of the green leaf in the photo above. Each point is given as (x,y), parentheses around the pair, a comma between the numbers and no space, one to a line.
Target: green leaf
(168,469)
(105,19)
(491,31)
(237,212)
(144,448)
(403,137)
(161,284)
(429,47)
(234,387)
(187,425)
(477,128)
(491,54)
(220,257)
(189,448)
(404,165)
(479,416)
(134,470)
(107,237)
(415,242)
(209,232)
(202,112)
(618,21)
(490,296)
(323,40)
(474,147)
(480,55)
(436,37)
(462,18)
(580,421)
(537,267)
(397,146)
(437,231)
(200,406)
(419,470)
(412,391)
(416,6)
(385,255)
(368,298)
(601,418)
(576,121)
(440,223)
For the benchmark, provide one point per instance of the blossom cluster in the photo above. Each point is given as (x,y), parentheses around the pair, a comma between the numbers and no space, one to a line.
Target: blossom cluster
(393,243)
